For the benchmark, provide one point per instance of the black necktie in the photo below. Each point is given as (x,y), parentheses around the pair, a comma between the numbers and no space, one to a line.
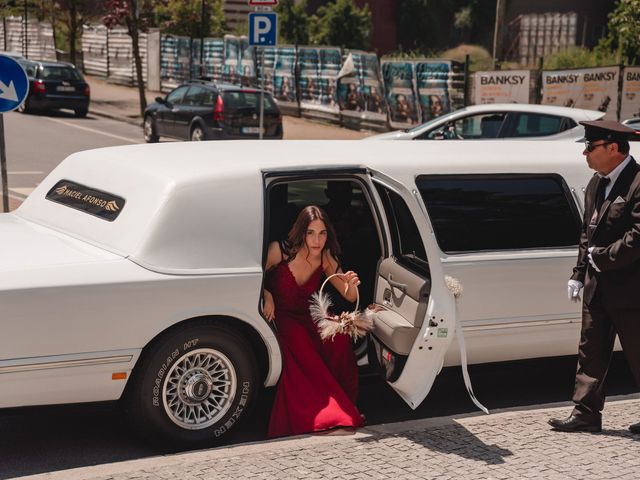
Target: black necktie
(600,193)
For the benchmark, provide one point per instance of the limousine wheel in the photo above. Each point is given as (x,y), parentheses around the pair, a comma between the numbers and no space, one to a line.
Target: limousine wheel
(193,387)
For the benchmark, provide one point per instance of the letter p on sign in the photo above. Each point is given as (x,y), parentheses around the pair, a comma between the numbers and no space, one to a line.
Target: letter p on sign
(263,28)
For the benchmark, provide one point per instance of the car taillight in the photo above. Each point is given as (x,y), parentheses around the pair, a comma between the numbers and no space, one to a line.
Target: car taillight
(38,86)
(87,91)
(218,113)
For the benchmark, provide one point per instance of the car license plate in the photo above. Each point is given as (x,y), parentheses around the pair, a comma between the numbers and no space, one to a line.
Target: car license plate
(64,88)
(251,130)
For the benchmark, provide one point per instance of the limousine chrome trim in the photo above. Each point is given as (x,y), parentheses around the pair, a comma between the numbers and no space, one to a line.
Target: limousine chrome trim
(501,326)
(493,256)
(66,364)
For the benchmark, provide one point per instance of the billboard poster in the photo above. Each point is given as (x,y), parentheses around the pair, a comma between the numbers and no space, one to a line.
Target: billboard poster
(175,60)
(360,95)
(309,61)
(330,62)
(432,84)
(247,70)
(590,88)
(284,76)
(502,86)
(231,59)
(265,64)
(212,58)
(630,104)
(400,92)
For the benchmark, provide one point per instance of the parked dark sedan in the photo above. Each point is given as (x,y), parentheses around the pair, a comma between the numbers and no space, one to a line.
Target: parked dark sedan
(55,85)
(202,110)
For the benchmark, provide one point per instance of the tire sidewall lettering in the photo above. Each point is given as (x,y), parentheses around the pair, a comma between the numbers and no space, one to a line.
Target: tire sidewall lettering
(157,384)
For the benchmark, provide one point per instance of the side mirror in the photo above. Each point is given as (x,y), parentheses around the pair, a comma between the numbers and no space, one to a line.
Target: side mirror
(160,100)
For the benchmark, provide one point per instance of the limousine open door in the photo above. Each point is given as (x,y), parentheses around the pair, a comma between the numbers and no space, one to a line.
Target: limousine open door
(416,318)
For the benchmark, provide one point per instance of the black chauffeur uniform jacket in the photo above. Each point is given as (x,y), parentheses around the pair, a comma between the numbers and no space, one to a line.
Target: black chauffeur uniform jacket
(615,234)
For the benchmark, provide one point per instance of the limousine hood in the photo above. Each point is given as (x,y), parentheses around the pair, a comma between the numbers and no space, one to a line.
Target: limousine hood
(27,247)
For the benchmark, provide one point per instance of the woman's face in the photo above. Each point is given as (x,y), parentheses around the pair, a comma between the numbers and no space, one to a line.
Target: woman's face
(316,237)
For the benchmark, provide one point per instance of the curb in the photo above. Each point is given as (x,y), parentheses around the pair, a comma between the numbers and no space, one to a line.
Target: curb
(121,118)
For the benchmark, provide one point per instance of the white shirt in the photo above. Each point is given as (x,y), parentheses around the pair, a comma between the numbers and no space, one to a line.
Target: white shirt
(613,176)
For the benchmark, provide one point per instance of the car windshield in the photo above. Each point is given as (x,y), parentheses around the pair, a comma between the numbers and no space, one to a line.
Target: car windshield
(247,100)
(423,125)
(60,73)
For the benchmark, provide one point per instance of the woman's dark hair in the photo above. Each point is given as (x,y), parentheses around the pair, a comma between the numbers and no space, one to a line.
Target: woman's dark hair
(297,234)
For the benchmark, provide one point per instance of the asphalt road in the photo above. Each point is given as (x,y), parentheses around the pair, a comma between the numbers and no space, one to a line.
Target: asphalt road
(45,439)
(36,144)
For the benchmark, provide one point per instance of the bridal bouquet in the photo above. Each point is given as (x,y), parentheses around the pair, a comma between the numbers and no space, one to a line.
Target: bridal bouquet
(356,324)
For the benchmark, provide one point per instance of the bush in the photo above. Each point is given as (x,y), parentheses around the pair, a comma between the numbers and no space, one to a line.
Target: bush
(578,57)
(479,57)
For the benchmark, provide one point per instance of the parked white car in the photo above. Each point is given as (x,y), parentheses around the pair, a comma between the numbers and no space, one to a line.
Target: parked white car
(507,120)
(136,272)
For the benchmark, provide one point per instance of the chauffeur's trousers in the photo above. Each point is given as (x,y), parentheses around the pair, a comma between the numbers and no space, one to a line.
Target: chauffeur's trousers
(600,324)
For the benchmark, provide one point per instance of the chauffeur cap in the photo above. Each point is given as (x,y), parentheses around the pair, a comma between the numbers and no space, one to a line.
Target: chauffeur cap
(607,130)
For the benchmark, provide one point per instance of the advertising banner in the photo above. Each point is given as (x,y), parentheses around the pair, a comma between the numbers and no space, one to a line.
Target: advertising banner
(432,83)
(506,86)
(400,93)
(630,104)
(592,88)
(319,68)
(212,58)
(175,61)
(284,76)
(247,63)
(231,59)
(361,95)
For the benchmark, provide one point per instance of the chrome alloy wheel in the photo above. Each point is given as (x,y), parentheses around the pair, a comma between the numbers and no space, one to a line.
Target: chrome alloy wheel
(199,389)
(148,128)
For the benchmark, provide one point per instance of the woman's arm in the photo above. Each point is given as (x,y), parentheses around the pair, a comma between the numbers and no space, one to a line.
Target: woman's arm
(274,256)
(346,283)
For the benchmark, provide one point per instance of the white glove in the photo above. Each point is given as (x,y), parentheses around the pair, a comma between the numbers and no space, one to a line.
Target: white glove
(593,264)
(573,290)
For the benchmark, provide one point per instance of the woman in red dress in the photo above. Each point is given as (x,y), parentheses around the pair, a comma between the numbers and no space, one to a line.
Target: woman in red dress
(319,382)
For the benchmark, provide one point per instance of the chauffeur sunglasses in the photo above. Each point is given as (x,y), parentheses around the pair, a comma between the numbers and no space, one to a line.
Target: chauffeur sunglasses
(590,147)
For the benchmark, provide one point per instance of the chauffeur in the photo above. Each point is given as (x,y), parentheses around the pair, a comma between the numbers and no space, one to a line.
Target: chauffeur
(609,268)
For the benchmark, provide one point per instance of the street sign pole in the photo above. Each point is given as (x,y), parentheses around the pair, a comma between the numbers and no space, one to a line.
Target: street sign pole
(14,87)
(261,93)
(3,168)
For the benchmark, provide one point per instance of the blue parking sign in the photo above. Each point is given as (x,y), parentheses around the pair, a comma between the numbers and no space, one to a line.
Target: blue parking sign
(263,27)
(14,84)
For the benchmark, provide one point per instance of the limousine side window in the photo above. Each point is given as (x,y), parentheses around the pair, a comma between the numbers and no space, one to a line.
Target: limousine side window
(408,248)
(500,212)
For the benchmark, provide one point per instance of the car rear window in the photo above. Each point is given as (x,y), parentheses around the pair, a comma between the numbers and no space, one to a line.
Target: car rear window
(241,99)
(60,73)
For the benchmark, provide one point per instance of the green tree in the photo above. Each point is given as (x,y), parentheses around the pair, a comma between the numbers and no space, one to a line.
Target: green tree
(578,57)
(184,17)
(342,23)
(293,22)
(624,32)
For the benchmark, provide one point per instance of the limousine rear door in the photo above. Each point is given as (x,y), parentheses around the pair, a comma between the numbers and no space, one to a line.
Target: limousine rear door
(416,317)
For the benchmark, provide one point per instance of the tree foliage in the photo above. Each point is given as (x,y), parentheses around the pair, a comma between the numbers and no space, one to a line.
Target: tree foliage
(184,17)
(342,23)
(624,32)
(578,57)
(293,22)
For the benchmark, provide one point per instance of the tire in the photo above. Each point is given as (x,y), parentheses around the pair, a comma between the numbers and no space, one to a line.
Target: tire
(193,387)
(149,130)
(197,134)
(25,106)
(81,112)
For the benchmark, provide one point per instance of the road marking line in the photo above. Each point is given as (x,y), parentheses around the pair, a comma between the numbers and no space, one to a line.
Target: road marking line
(25,173)
(93,130)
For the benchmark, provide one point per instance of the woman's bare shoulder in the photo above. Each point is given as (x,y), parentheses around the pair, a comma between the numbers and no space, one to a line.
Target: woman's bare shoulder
(274,255)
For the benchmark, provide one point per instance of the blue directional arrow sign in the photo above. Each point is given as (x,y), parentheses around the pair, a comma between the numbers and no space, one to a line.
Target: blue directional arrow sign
(263,28)
(14,84)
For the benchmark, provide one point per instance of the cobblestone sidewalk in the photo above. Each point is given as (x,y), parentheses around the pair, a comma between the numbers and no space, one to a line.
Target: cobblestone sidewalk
(506,445)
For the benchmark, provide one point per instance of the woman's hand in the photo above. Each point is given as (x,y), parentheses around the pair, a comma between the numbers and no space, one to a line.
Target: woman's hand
(268,307)
(351,281)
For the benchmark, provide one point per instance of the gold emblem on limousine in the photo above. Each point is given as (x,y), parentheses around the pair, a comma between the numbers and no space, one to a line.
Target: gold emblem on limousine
(61,190)
(112,206)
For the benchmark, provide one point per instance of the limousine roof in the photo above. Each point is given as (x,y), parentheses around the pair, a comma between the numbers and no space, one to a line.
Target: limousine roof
(180,197)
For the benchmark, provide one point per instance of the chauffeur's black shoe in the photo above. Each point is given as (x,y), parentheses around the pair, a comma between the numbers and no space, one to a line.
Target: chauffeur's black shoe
(576,424)
(635,428)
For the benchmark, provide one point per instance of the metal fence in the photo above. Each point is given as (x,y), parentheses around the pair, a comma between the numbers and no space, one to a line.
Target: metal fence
(35,41)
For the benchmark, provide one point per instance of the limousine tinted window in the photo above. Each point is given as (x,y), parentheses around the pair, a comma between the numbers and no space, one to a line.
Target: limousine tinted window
(500,212)
(405,237)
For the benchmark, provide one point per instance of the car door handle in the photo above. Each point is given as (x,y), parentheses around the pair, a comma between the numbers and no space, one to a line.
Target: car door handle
(400,286)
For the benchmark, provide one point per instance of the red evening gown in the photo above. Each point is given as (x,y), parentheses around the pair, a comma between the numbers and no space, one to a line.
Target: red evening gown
(319,382)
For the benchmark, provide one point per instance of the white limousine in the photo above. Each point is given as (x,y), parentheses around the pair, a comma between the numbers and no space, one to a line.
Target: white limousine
(136,272)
